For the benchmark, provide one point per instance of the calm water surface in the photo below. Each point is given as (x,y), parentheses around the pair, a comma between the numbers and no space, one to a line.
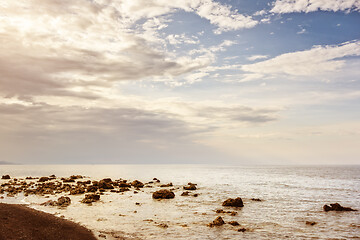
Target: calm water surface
(291,196)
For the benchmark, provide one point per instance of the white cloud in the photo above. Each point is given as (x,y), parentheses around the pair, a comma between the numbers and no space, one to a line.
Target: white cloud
(289,6)
(317,61)
(257,57)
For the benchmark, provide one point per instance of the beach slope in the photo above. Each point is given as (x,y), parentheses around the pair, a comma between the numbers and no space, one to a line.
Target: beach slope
(20,222)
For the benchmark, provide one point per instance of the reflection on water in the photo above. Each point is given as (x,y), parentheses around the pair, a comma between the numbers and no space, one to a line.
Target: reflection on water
(291,196)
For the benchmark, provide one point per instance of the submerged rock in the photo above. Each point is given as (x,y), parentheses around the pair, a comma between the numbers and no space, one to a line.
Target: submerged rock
(190,187)
(167,185)
(163,194)
(336,207)
(256,199)
(237,202)
(234,223)
(310,223)
(185,193)
(217,222)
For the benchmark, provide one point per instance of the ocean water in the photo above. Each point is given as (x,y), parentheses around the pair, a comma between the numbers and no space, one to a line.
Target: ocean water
(291,195)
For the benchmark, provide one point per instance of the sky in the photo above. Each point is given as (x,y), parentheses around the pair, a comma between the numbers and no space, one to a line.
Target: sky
(181,81)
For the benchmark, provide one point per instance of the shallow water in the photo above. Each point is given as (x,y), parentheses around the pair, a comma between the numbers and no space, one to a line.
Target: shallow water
(291,196)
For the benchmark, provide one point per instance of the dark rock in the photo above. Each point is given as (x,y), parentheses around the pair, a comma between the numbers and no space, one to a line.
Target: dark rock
(75,177)
(106,184)
(190,187)
(336,207)
(196,195)
(89,198)
(167,185)
(185,193)
(256,199)
(137,184)
(217,222)
(43,179)
(5,177)
(63,201)
(77,190)
(310,223)
(241,230)
(234,223)
(163,225)
(163,194)
(237,202)
(67,180)
(91,188)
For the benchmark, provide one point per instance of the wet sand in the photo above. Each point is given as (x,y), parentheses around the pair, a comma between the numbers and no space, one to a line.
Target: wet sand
(20,222)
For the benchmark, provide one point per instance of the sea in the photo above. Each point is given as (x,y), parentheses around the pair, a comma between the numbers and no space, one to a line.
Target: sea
(290,196)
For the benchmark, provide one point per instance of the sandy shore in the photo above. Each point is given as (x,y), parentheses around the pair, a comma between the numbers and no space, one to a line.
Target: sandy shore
(20,222)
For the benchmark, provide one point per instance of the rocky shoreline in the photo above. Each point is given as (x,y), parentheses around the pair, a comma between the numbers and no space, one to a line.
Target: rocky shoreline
(91,192)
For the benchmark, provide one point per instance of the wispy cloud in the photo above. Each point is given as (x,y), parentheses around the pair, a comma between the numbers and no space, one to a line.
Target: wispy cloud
(313,62)
(289,6)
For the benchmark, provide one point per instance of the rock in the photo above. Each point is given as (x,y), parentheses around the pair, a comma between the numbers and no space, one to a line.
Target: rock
(241,230)
(63,201)
(137,184)
(217,222)
(185,193)
(256,199)
(67,180)
(190,187)
(124,184)
(91,188)
(5,177)
(77,190)
(163,225)
(89,198)
(167,185)
(75,177)
(43,179)
(234,223)
(237,202)
(310,223)
(106,184)
(336,207)
(196,195)
(163,194)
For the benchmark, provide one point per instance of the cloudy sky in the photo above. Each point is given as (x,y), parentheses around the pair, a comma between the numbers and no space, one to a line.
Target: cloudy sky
(181,81)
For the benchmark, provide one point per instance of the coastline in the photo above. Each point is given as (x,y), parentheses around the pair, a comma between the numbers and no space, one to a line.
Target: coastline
(20,222)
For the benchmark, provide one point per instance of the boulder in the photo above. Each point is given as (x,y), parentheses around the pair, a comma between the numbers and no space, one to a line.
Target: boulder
(163,194)
(43,179)
(137,184)
(336,207)
(217,222)
(89,198)
(190,187)
(106,184)
(237,202)
(63,201)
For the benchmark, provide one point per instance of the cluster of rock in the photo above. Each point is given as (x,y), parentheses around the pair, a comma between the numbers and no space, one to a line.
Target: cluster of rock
(336,207)
(219,221)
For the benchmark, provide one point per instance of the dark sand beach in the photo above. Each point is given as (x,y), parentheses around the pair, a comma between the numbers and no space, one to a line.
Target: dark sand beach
(20,222)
